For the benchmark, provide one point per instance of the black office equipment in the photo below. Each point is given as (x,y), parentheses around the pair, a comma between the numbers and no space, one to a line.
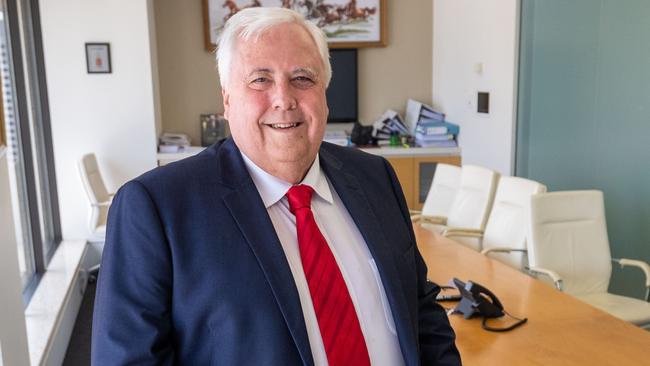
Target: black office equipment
(478,300)
(342,93)
(361,135)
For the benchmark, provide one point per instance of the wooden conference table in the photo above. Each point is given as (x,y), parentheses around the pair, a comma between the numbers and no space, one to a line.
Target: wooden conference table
(561,330)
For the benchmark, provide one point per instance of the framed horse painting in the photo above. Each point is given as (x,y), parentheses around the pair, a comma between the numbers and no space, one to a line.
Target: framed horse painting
(347,23)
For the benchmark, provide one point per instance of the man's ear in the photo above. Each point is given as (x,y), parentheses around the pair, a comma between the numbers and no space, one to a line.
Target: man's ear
(226,101)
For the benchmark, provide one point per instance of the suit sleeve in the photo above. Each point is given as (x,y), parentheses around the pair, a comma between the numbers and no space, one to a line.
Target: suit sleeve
(131,320)
(435,335)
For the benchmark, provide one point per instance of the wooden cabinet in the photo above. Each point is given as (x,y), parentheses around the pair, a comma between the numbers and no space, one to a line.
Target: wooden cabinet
(415,168)
(416,173)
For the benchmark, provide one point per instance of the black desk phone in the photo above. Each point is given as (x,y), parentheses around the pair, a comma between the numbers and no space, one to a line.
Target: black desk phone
(476,300)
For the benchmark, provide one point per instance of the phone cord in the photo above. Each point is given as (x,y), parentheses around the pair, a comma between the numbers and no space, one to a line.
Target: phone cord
(511,327)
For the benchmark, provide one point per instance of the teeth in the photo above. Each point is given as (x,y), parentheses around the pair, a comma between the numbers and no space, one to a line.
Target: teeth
(284,125)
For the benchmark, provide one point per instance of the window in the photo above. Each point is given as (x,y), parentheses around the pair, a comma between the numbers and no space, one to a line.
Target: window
(25,121)
(3,135)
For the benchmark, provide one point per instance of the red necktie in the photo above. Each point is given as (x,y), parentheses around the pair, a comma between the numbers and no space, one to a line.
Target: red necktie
(337,319)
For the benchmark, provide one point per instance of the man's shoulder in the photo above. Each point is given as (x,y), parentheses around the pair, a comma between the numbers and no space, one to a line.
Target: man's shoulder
(181,168)
(344,154)
(207,167)
(368,169)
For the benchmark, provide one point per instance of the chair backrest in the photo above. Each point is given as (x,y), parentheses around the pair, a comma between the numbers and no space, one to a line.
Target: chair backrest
(568,234)
(92,179)
(473,200)
(443,190)
(96,192)
(507,225)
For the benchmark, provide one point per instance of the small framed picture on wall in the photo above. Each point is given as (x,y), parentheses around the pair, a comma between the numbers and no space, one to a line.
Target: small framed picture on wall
(98,58)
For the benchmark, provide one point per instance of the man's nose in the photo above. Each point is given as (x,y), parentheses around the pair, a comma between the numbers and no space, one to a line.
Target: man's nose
(283,98)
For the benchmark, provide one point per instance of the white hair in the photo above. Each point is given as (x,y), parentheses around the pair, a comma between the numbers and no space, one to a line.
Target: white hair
(251,23)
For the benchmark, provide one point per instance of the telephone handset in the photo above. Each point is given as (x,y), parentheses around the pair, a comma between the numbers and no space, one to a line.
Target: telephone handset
(478,300)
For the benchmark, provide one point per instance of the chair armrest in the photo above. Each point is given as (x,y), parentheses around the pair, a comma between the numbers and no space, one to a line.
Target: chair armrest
(557,280)
(639,264)
(438,220)
(459,231)
(416,217)
(105,203)
(487,251)
(102,204)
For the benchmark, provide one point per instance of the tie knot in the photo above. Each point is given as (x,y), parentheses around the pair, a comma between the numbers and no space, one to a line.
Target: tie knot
(299,197)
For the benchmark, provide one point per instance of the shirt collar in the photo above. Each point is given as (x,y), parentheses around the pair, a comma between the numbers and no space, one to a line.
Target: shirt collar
(272,189)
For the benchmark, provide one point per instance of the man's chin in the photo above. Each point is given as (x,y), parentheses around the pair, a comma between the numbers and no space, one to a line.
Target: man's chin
(293,157)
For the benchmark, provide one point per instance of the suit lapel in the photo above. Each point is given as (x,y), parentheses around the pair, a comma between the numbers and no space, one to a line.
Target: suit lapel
(353,196)
(249,213)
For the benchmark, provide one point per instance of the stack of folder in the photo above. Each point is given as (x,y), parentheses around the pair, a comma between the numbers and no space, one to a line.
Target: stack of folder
(389,124)
(429,126)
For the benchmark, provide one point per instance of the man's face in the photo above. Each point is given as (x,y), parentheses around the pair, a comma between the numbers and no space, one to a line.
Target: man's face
(275,99)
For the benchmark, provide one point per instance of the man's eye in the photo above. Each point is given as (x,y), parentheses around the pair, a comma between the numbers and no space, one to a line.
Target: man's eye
(303,78)
(303,81)
(260,83)
(260,80)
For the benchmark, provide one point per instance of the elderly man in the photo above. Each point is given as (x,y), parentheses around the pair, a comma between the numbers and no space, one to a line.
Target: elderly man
(270,248)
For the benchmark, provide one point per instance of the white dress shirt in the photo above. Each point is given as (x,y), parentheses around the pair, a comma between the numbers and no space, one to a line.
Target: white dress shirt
(351,253)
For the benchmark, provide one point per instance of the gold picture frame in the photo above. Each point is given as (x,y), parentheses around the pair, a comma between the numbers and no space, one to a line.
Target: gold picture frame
(347,23)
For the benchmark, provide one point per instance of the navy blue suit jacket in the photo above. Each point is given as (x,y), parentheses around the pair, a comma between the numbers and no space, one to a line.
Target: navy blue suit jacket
(193,272)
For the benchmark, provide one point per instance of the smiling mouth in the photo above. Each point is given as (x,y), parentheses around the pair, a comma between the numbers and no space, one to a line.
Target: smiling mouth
(284,126)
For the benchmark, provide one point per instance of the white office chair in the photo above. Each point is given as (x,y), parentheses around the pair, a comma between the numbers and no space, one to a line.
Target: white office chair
(569,244)
(98,195)
(505,232)
(472,203)
(440,196)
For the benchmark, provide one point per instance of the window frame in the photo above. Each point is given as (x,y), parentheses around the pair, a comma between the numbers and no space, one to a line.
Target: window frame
(25,48)
(3,135)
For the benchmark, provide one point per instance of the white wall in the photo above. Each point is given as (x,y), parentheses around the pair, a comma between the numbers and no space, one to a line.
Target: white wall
(475,48)
(13,334)
(113,115)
